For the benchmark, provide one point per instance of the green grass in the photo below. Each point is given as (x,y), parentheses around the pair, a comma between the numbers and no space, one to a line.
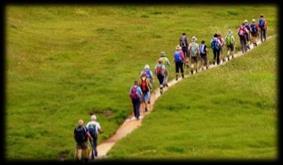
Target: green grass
(225,113)
(64,61)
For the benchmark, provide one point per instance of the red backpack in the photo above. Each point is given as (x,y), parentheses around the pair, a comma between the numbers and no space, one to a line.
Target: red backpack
(144,86)
(159,70)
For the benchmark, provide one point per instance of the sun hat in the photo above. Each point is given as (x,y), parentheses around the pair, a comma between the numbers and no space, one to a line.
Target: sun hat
(178,47)
(162,54)
(194,38)
(146,66)
(253,20)
(246,21)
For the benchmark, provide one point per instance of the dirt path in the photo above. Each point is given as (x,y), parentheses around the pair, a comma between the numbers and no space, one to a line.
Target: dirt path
(131,124)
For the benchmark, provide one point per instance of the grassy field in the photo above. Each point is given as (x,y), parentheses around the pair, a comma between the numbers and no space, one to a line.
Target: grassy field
(225,113)
(63,62)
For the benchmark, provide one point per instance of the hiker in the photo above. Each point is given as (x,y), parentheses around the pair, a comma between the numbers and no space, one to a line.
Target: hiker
(230,43)
(94,129)
(221,56)
(215,45)
(203,54)
(145,86)
(148,73)
(194,54)
(183,42)
(247,34)
(254,32)
(166,63)
(262,24)
(81,136)
(242,35)
(179,59)
(160,73)
(136,97)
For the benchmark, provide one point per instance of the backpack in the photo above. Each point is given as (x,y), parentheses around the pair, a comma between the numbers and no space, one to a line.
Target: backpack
(159,70)
(241,31)
(183,41)
(177,57)
(215,44)
(147,73)
(202,49)
(80,134)
(194,49)
(261,23)
(134,94)
(229,40)
(144,86)
(92,130)
(253,28)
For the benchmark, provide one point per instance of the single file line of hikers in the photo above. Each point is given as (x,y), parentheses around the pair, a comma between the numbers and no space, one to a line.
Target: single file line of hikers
(186,55)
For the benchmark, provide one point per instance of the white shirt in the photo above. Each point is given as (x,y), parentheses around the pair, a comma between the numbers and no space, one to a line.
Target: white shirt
(94,123)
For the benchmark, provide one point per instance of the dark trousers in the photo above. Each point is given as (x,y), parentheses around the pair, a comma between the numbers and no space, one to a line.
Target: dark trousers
(243,43)
(216,55)
(136,106)
(93,143)
(204,58)
(160,78)
(185,51)
(262,34)
(179,66)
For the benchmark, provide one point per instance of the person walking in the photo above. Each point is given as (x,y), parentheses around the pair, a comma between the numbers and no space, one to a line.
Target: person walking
(183,42)
(203,54)
(179,61)
(254,32)
(166,63)
(215,45)
(230,43)
(81,136)
(194,54)
(148,73)
(222,42)
(94,129)
(160,73)
(262,24)
(242,31)
(136,97)
(145,86)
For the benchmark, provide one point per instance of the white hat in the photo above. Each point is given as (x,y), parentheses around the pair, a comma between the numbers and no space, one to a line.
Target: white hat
(194,38)
(93,117)
(146,66)
(246,21)
(253,20)
(178,47)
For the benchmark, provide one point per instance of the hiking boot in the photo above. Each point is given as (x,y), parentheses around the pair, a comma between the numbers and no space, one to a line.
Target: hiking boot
(146,110)
(176,77)
(161,91)
(183,75)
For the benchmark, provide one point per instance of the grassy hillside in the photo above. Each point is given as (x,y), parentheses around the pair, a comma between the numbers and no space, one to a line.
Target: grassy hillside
(66,61)
(225,113)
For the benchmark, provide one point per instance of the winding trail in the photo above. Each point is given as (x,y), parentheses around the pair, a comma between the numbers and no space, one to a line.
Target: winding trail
(131,123)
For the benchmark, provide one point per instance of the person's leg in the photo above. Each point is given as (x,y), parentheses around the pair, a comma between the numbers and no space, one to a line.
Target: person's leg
(182,69)
(177,69)
(261,35)
(264,34)
(135,105)
(218,56)
(95,146)
(138,108)
(214,56)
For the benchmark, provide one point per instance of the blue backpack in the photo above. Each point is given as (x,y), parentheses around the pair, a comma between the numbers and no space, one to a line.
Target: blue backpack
(177,57)
(147,73)
(253,28)
(261,23)
(215,44)
(92,130)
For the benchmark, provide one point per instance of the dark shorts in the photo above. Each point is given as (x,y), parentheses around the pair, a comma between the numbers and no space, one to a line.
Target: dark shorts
(231,46)
(82,145)
(194,59)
